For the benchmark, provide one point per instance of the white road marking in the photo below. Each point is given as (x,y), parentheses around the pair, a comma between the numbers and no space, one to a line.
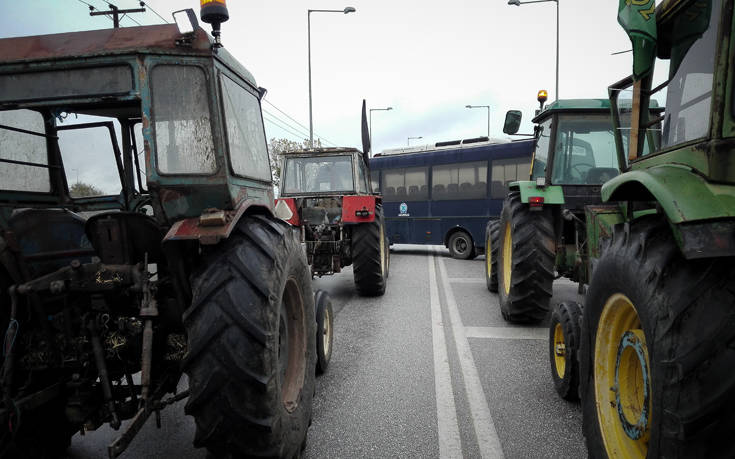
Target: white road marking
(467,280)
(507,333)
(487,437)
(450,444)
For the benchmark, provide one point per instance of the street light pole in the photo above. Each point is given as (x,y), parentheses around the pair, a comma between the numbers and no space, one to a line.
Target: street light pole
(519,3)
(488,115)
(370,122)
(408,140)
(348,9)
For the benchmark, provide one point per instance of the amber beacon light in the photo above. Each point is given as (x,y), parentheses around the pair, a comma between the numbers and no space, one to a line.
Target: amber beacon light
(214,12)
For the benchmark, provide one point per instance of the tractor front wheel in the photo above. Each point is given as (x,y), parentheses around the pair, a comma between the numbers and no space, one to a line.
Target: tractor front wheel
(491,255)
(564,332)
(526,258)
(251,343)
(657,350)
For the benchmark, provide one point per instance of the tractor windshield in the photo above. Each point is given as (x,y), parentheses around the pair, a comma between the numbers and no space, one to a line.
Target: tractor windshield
(321,174)
(584,150)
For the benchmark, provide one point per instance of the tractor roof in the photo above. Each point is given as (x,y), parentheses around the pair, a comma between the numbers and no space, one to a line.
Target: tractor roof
(321,151)
(156,39)
(583,105)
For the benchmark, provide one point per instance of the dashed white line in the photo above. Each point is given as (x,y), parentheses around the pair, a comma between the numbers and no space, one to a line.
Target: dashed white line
(450,444)
(507,333)
(487,437)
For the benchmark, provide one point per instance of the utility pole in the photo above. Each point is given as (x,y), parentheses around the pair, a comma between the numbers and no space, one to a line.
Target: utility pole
(115,12)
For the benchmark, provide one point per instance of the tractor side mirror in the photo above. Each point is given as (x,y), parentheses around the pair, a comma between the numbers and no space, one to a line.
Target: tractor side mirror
(186,21)
(512,122)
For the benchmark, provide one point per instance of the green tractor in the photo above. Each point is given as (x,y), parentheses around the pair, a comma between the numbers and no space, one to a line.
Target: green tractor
(657,342)
(138,236)
(540,233)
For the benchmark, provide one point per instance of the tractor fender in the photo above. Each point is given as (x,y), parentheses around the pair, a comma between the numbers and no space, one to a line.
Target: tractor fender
(552,194)
(359,209)
(683,194)
(214,224)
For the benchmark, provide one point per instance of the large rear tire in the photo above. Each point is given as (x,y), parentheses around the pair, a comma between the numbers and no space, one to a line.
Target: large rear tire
(369,260)
(525,261)
(657,350)
(491,255)
(324,330)
(251,330)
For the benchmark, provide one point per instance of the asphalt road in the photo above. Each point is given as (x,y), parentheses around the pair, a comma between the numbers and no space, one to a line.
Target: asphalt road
(430,369)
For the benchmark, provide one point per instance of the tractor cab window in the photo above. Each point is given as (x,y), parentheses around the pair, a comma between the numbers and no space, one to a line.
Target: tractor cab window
(361,176)
(318,174)
(541,153)
(23,156)
(689,93)
(89,148)
(584,150)
(181,120)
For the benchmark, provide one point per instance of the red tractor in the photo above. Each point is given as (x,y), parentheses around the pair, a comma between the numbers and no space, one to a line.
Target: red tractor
(327,193)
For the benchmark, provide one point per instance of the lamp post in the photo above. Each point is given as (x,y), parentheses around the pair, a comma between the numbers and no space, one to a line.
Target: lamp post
(408,140)
(519,3)
(348,9)
(488,115)
(370,125)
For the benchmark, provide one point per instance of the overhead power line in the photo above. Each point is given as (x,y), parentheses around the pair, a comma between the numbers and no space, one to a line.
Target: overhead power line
(285,129)
(295,121)
(154,11)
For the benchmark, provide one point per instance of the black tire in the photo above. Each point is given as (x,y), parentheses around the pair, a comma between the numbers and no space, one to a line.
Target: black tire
(492,229)
(645,299)
(525,279)
(461,246)
(251,343)
(369,264)
(324,330)
(564,336)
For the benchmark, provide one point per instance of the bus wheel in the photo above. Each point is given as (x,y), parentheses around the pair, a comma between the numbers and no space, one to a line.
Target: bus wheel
(460,245)
(526,259)
(491,255)
(657,350)
(564,349)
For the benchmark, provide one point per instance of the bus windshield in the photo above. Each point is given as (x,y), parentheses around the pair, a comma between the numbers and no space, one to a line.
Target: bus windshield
(584,150)
(318,174)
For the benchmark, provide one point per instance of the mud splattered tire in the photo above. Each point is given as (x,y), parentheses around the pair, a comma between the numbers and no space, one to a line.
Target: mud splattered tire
(663,328)
(492,229)
(564,335)
(251,335)
(526,258)
(461,246)
(369,259)
(324,330)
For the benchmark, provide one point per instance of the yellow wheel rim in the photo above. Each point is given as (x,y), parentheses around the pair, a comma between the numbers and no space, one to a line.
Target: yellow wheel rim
(622,379)
(560,351)
(488,257)
(507,258)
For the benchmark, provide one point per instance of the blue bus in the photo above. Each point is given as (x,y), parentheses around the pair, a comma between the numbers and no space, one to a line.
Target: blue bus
(444,194)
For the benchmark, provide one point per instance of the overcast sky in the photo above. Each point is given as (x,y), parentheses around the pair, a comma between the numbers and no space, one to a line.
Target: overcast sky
(427,59)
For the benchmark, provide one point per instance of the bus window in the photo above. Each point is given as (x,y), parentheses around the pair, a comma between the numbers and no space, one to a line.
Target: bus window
(460,181)
(505,171)
(409,184)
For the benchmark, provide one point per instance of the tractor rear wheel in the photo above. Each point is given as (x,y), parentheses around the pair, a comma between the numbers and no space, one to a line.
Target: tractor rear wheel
(491,255)
(324,330)
(657,350)
(564,333)
(369,259)
(526,260)
(251,352)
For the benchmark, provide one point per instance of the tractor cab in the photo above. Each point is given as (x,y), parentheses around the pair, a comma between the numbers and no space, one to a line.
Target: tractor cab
(324,171)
